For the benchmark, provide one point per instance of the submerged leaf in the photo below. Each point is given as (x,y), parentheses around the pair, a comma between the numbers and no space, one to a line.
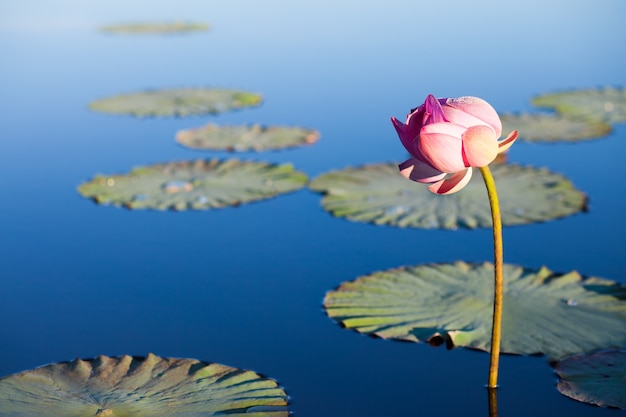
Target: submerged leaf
(600,103)
(552,128)
(598,378)
(379,194)
(245,138)
(544,312)
(136,386)
(194,185)
(150,28)
(176,102)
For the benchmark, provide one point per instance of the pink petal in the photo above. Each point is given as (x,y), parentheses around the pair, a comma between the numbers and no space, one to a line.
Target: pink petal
(480,146)
(406,137)
(456,182)
(414,121)
(433,113)
(467,120)
(506,143)
(477,108)
(441,146)
(419,171)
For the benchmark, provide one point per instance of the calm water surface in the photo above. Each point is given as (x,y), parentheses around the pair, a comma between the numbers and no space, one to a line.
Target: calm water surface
(244,286)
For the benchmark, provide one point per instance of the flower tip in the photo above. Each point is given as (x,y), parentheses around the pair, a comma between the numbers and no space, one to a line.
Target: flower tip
(506,143)
(400,127)
(433,112)
(432,101)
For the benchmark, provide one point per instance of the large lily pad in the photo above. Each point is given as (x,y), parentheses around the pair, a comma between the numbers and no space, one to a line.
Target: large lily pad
(542,127)
(194,185)
(245,138)
(135,386)
(176,102)
(602,103)
(379,194)
(598,378)
(149,28)
(544,312)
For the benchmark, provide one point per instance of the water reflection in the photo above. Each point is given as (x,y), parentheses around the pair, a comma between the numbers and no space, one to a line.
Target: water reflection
(492,401)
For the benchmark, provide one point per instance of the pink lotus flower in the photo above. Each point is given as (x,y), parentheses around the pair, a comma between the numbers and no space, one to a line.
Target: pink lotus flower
(447,137)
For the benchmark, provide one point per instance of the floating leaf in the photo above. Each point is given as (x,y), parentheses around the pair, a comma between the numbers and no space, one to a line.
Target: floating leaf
(245,138)
(379,194)
(554,127)
(136,386)
(602,103)
(194,185)
(176,102)
(150,28)
(544,312)
(598,378)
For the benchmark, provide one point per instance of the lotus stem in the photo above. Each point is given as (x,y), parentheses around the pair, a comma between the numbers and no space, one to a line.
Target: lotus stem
(498,287)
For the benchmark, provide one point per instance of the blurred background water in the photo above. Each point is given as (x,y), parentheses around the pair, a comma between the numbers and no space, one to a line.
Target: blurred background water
(244,286)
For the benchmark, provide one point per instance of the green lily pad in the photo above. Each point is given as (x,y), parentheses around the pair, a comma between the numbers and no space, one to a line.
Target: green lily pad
(194,185)
(598,378)
(554,127)
(176,102)
(600,103)
(245,138)
(150,28)
(136,386)
(544,312)
(378,194)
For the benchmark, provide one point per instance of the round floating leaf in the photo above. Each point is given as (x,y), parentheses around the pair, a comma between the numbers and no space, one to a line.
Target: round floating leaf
(544,312)
(602,103)
(554,127)
(194,185)
(134,386)
(176,102)
(156,28)
(379,194)
(598,378)
(245,138)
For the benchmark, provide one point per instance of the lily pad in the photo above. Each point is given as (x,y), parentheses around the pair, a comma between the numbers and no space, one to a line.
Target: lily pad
(600,103)
(149,28)
(137,386)
(597,378)
(544,312)
(194,185)
(176,102)
(554,127)
(245,138)
(378,194)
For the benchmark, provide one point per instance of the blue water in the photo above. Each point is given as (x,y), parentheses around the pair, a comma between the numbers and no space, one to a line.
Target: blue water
(244,286)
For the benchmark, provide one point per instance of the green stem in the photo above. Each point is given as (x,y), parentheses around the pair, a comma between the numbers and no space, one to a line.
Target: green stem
(496,330)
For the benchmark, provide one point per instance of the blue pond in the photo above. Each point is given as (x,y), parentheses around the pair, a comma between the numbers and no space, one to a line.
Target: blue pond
(244,286)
